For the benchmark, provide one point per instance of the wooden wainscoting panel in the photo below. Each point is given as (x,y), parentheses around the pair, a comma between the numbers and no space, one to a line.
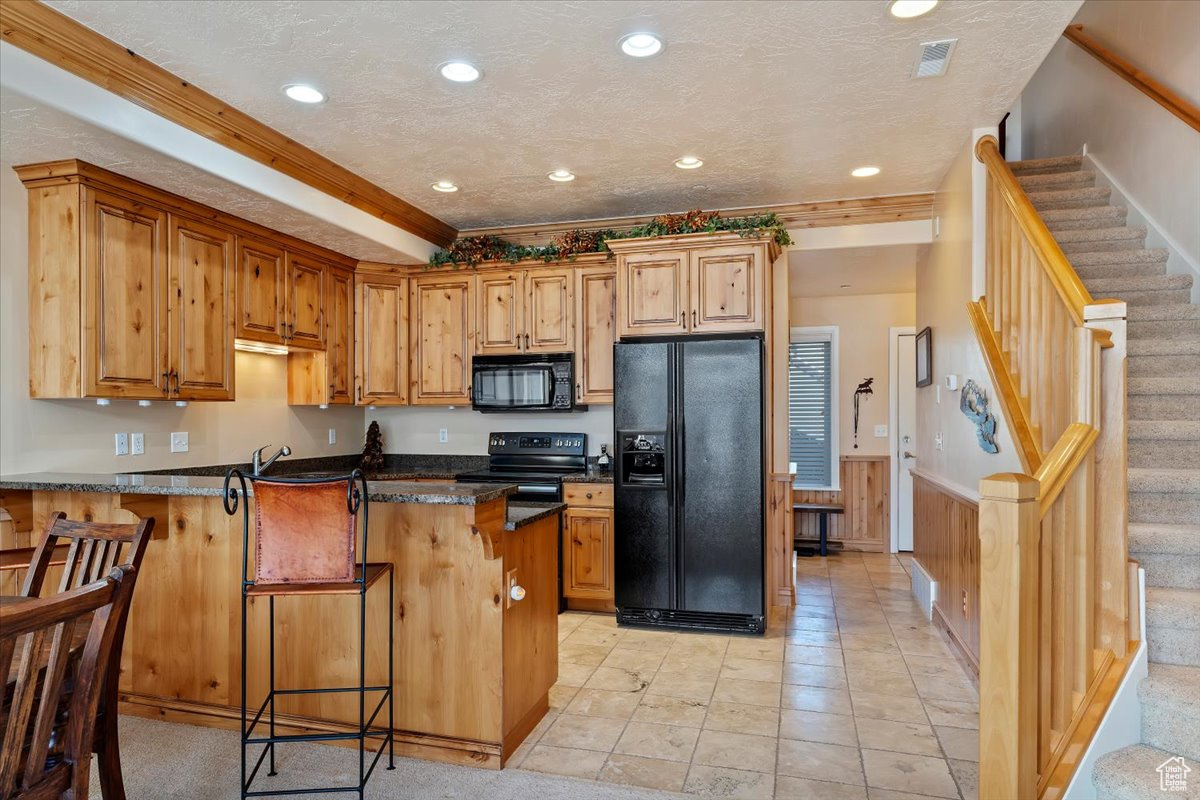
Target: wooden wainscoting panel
(946,542)
(866,523)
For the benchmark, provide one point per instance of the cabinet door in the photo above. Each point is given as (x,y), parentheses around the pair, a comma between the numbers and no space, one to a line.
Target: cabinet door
(382,335)
(443,325)
(587,553)
(125,299)
(549,309)
(201,301)
(262,279)
(339,350)
(306,302)
(652,293)
(595,315)
(500,312)
(728,289)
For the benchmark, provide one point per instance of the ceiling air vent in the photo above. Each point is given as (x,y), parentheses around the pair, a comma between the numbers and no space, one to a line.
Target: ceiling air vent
(934,58)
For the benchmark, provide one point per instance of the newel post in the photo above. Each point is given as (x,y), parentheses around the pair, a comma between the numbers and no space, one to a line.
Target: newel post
(1009,526)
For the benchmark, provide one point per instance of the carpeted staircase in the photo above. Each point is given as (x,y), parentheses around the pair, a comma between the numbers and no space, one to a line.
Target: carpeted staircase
(1164,458)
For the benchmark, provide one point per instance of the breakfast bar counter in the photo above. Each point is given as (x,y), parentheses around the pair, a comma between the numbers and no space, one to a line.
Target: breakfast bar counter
(473,665)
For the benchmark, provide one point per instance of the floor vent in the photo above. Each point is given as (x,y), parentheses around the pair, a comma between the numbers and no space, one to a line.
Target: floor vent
(924,588)
(691,620)
(934,58)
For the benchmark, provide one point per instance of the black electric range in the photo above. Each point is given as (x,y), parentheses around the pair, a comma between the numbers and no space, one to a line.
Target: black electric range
(535,462)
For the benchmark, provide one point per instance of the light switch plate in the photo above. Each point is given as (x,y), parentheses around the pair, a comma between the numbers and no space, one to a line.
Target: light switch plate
(137,443)
(122,444)
(333,435)
(952,382)
(937,440)
(881,431)
(179,442)
(443,435)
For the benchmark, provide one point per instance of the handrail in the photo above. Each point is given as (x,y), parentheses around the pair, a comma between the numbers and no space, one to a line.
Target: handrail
(1006,389)
(1164,96)
(1054,263)
(1061,462)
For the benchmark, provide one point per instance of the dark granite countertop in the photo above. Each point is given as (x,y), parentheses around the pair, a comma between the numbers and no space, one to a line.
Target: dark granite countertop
(522,514)
(378,491)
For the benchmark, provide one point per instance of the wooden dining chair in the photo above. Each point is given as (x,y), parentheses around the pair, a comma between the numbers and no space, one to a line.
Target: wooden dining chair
(47,744)
(87,551)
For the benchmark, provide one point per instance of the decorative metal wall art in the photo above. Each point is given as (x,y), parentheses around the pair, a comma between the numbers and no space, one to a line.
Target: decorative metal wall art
(864,390)
(974,404)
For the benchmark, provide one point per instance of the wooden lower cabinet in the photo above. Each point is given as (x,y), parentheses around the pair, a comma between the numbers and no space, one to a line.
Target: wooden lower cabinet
(587,548)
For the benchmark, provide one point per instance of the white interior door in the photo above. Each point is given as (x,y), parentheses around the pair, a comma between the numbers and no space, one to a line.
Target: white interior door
(906,390)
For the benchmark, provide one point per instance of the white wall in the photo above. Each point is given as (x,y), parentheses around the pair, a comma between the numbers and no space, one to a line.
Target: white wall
(77,435)
(945,283)
(415,429)
(1074,101)
(863,322)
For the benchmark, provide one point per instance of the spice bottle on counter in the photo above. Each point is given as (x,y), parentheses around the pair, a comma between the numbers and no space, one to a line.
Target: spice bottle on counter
(604,461)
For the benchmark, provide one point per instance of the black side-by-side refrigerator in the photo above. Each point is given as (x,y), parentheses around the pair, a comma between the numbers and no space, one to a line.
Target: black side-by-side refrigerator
(688,473)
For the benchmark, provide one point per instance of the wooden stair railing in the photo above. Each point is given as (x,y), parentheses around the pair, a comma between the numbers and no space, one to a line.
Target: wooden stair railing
(1163,95)
(1055,595)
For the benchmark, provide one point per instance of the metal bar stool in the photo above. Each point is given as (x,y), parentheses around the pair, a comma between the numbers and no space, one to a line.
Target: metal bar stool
(305,536)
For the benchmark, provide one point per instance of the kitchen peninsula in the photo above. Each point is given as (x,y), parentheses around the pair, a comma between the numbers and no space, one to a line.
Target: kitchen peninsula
(473,666)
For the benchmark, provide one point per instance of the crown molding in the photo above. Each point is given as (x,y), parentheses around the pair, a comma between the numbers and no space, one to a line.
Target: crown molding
(56,38)
(820,214)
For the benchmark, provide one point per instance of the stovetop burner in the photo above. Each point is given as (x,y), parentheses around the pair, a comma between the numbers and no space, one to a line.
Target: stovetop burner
(535,461)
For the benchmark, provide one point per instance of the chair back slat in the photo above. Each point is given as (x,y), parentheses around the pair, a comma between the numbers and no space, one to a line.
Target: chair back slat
(37,572)
(28,767)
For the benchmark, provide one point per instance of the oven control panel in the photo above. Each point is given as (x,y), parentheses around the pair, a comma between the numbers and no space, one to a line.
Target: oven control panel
(563,444)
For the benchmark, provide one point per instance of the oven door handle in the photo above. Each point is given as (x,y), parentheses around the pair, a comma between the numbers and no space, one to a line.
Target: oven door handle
(537,488)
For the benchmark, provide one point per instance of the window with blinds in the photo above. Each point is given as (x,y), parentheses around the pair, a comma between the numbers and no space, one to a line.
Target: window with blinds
(810,410)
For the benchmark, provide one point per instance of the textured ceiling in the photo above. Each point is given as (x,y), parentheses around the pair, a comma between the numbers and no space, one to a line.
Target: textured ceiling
(780,99)
(868,270)
(31,132)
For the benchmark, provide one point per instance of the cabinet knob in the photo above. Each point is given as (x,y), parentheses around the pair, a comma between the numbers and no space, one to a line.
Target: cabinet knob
(517,592)
(589,495)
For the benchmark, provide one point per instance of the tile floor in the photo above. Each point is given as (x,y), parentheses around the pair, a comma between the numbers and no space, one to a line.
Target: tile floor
(855,697)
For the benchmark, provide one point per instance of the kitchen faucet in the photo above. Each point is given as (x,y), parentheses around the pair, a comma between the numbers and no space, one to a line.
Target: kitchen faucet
(259,466)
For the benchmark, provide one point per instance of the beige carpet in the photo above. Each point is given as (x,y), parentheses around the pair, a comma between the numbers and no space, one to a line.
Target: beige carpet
(166,761)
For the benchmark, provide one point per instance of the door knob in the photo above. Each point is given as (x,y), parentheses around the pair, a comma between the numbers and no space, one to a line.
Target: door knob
(516,592)
(907,454)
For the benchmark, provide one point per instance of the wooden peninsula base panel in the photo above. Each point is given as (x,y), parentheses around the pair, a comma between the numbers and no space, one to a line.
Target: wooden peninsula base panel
(473,667)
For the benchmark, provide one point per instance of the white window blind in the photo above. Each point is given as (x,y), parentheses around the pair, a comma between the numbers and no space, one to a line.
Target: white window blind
(810,412)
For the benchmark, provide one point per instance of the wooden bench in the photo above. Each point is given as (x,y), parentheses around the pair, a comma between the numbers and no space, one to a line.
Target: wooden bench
(823,510)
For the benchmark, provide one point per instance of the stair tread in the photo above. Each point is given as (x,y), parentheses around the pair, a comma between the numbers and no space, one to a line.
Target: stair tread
(1052,215)
(1067,163)
(1161,386)
(1170,607)
(1165,430)
(1072,177)
(1131,774)
(1167,539)
(1152,480)
(1163,347)
(1091,194)
(1167,311)
(1141,283)
(1147,255)
(1112,233)
(1174,685)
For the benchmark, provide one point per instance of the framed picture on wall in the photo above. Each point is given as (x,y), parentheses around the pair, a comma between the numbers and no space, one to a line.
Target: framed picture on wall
(925,357)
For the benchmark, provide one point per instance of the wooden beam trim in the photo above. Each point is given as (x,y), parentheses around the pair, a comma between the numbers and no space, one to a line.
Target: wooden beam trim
(60,40)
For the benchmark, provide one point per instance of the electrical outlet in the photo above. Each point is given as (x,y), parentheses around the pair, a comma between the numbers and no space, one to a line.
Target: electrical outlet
(937,440)
(333,435)
(137,443)
(179,442)
(881,431)
(443,435)
(122,444)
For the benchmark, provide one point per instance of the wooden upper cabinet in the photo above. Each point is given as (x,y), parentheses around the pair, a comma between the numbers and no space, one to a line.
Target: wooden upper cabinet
(500,312)
(549,310)
(339,347)
(728,289)
(653,288)
(441,339)
(381,340)
(262,284)
(124,299)
(595,315)
(306,302)
(201,303)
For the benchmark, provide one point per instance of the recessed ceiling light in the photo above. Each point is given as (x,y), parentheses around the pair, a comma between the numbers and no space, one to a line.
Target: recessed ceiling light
(641,45)
(561,175)
(864,172)
(445,186)
(689,162)
(460,71)
(303,93)
(908,9)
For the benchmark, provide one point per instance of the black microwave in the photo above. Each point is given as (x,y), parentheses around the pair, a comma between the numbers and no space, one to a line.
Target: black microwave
(542,382)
